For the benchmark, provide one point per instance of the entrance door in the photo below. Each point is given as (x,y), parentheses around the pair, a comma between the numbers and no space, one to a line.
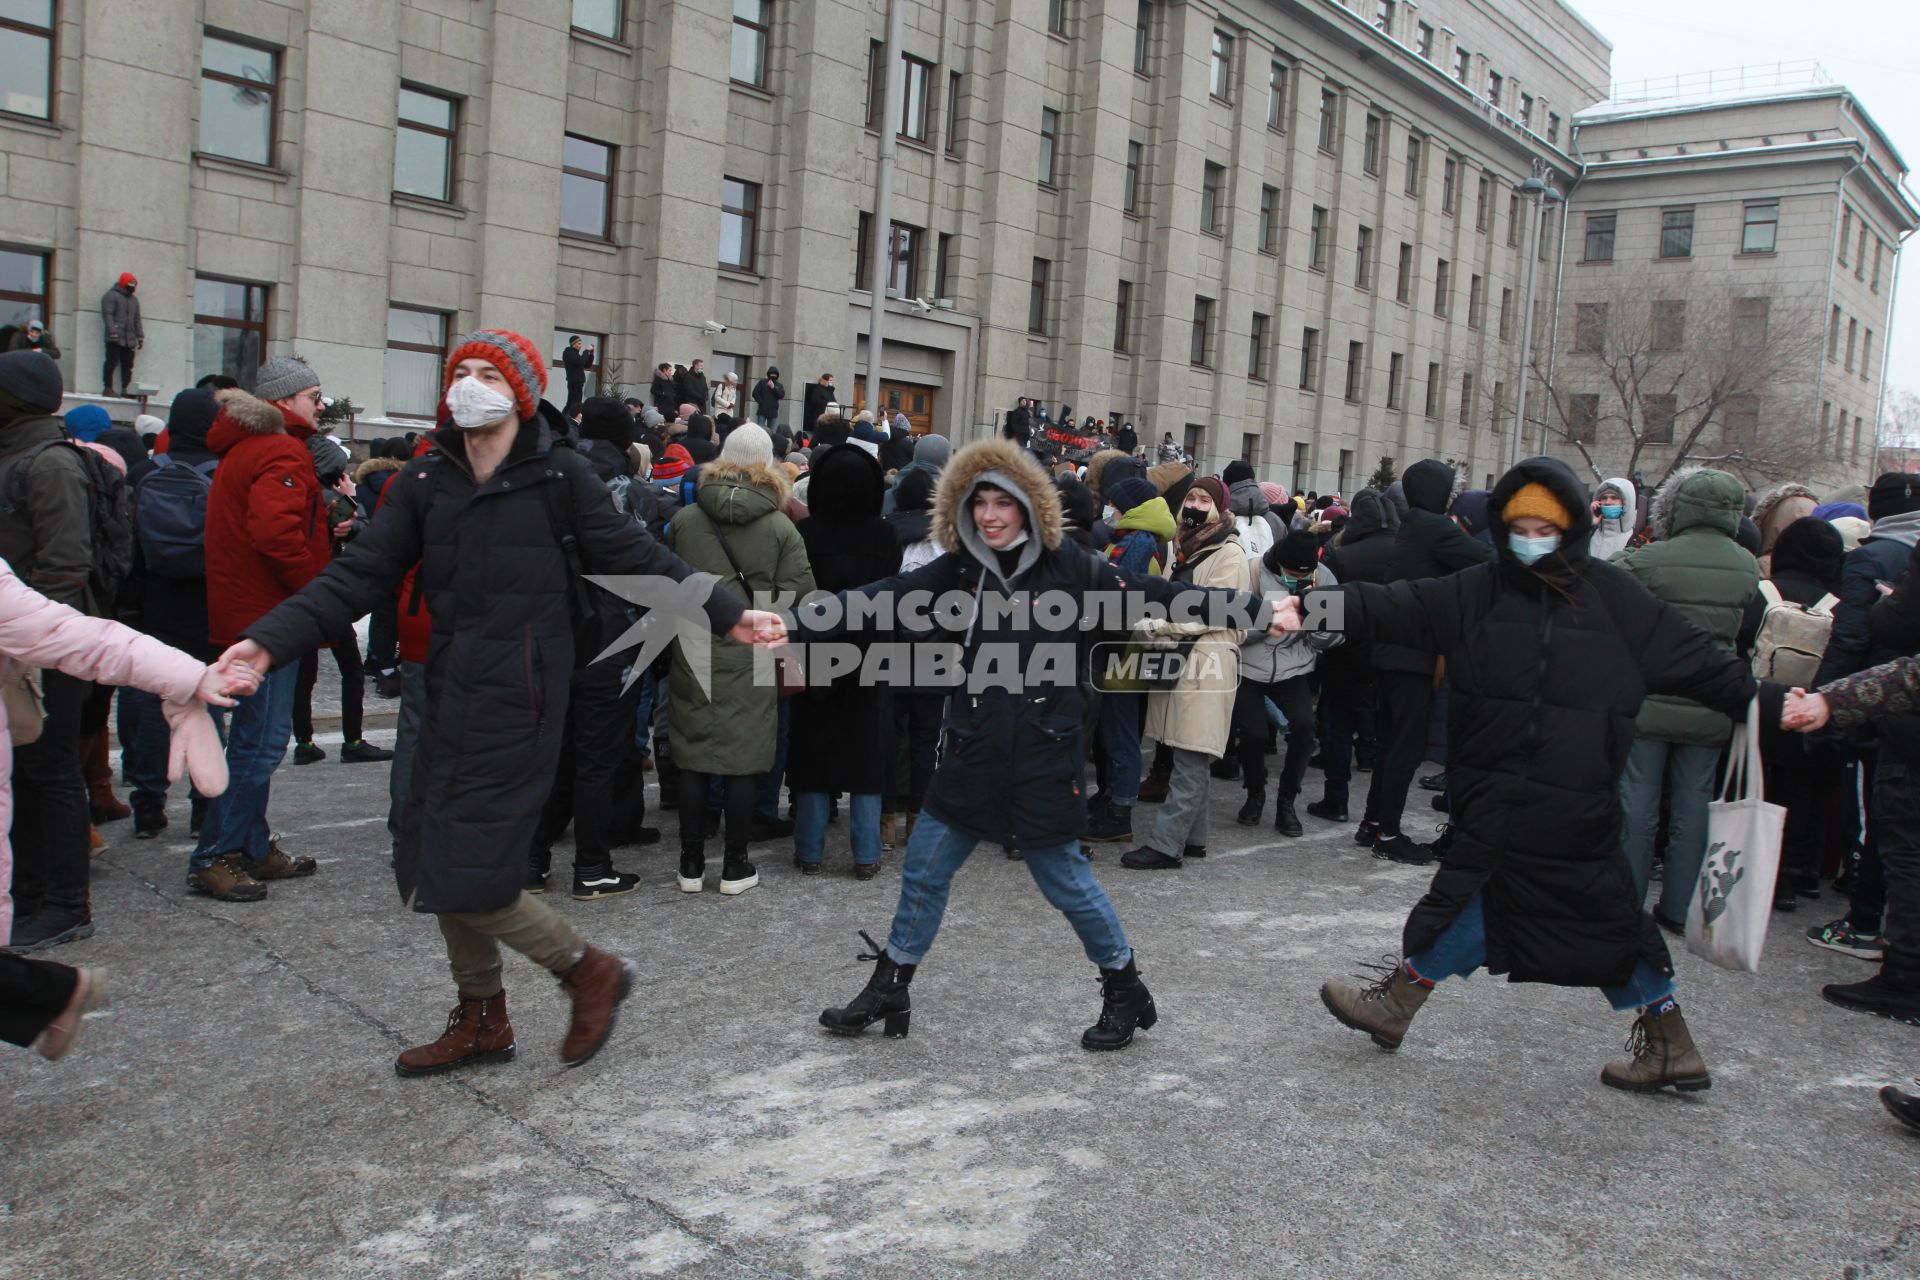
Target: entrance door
(910,398)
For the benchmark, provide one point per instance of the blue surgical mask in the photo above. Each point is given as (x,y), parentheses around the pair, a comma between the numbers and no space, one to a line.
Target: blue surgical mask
(1528,550)
(1611,510)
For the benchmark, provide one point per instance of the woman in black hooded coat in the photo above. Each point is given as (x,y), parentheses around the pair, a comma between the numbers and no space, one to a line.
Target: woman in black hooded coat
(1547,663)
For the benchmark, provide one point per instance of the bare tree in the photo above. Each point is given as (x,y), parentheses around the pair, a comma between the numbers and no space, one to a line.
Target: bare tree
(1645,384)
(1901,429)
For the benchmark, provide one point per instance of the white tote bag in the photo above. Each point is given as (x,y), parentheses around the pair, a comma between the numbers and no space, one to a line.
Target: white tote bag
(1727,922)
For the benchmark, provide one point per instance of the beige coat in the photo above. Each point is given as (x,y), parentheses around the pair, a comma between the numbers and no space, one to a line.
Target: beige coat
(1197,713)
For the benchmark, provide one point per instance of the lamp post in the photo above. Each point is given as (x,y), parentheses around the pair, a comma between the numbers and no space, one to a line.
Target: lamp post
(1540,191)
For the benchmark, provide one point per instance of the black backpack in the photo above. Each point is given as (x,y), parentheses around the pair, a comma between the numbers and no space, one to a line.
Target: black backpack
(110,513)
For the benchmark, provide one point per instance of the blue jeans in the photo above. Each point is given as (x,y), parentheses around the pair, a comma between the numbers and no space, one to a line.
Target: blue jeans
(643,715)
(257,738)
(1063,873)
(810,826)
(1120,731)
(144,741)
(1462,948)
(1689,771)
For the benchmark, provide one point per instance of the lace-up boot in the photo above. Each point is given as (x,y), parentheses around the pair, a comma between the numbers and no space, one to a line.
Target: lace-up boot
(884,996)
(1125,1005)
(1661,1054)
(1383,1008)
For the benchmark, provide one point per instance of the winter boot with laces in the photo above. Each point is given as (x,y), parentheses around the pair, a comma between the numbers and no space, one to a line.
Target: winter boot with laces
(1125,1005)
(1249,815)
(1285,820)
(1663,1054)
(477,1032)
(596,985)
(884,996)
(1383,1009)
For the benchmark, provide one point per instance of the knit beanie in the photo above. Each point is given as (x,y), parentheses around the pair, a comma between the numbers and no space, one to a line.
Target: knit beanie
(1275,494)
(1893,494)
(932,451)
(651,418)
(1298,551)
(32,380)
(673,463)
(604,418)
(1236,471)
(1536,500)
(746,445)
(87,422)
(517,358)
(283,376)
(1216,491)
(1838,510)
(1129,492)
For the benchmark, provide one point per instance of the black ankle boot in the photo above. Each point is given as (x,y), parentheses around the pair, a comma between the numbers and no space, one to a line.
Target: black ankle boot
(693,868)
(884,996)
(1249,815)
(1125,1003)
(1285,820)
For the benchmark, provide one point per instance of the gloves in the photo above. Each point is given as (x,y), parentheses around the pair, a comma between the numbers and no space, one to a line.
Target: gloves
(195,748)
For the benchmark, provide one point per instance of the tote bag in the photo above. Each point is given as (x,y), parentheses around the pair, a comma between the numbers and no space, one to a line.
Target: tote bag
(1732,904)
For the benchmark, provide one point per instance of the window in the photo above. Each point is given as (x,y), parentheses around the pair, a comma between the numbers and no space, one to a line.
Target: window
(1249,448)
(1761,227)
(1466,398)
(1131,198)
(1317,240)
(1495,83)
(1432,408)
(1513,219)
(586,187)
(1482,205)
(1499,406)
(239,88)
(1142,29)
(1309,359)
(1853,334)
(1037,297)
(1442,286)
(1462,65)
(1057,17)
(1553,129)
(1833,336)
(1526,111)
(1383,15)
(903,257)
(1370,152)
(1329,120)
(1846,233)
(876,83)
(1742,426)
(1589,328)
(1854,451)
(1860,254)
(1423,40)
(1202,332)
(1600,237)
(1750,323)
(954,118)
(739,220)
(1356,371)
(1257,348)
(1583,417)
(1220,77)
(1403,285)
(1211,178)
(416,358)
(1826,413)
(1658,414)
(1866,354)
(1396,366)
(752,22)
(1476,291)
(1363,259)
(423,145)
(1192,438)
(915,109)
(1506,315)
(23,287)
(943,266)
(1277,96)
(1269,219)
(1879,251)
(1676,233)
(1301,453)
(1449,183)
(26,58)
(1049,135)
(229,328)
(601,17)
(1413,164)
(1122,319)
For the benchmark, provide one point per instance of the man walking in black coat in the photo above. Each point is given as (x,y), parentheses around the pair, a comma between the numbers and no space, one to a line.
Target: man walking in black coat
(577,360)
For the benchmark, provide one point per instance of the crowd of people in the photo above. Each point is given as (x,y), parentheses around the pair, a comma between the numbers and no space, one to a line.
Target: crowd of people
(1574,656)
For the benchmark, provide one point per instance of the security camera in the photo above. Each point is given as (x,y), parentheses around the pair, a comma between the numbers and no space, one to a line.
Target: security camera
(922,306)
(714,326)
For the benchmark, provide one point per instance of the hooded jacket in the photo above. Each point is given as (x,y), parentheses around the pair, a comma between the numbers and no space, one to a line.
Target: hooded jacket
(1546,668)
(1695,565)
(267,531)
(1249,507)
(1363,552)
(1854,646)
(49,540)
(120,316)
(1196,714)
(1428,544)
(1140,538)
(1611,537)
(1776,508)
(1269,659)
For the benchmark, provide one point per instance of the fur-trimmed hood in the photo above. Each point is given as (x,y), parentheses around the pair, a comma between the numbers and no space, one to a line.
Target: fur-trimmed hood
(731,493)
(1006,465)
(242,415)
(1776,508)
(373,467)
(1696,496)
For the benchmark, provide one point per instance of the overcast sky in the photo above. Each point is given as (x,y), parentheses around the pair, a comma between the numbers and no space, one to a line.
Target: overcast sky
(1867,45)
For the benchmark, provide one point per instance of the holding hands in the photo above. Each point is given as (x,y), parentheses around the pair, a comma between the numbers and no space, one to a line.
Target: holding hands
(760,628)
(1805,712)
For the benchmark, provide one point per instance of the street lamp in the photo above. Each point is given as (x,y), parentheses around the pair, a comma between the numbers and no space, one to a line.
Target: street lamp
(1540,190)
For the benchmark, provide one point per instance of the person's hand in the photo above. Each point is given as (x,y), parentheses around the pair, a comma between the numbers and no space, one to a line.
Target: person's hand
(343,529)
(1884,588)
(246,660)
(1805,712)
(219,688)
(1286,617)
(761,628)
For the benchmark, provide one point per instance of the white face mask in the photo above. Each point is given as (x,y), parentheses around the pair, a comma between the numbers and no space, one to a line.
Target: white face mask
(474,404)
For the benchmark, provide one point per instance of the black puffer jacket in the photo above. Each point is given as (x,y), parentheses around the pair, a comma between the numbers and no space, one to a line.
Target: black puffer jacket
(1854,646)
(502,651)
(1546,678)
(1428,544)
(1363,552)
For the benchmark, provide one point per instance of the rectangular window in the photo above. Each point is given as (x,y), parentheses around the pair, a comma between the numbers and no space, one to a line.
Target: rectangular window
(23,287)
(1854,450)
(1363,259)
(1483,205)
(1499,415)
(1476,291)
(416,357)
(1277,96)
(1269,219)
(1526,111)
(1122,318)
(1423,40)
(1449,184)
(862,247)
(1853,337)
(229,328)
(1432,407)
(1257,348)
(915,104)
(1403,284)
(1583,417)
(423,145)
(1462,65)
(586,187)
(1202,342)
(954,118)
(1317,240)
(1750,323)
(1356,371)
(1466,398)
(1130,200)
(943,266)
(1057,17)
(1860,253)
(739,221)
(1866,355)
(1250,448)
(239,95)
(1589,328)
(1220,74)
(1037,297)
(1676,233)
(1495,83)
(1142,32)
(1742,426)
(1506,315)
(1761,227)
(600,17)
(876,83)
(1192,438)
(1553,129)
(1413,164)
(1879,251)
(1846,233)
(1329,120)
(1212,178)
(1309,359)
(1396,366)
(1600,237)
(1383,15)
(1370,152)
(1826,416)
(1049,136)
(26,58)
(752,26)
(904,248)
(1833,335)
(1513,219)
(1658,413)
(1442,287)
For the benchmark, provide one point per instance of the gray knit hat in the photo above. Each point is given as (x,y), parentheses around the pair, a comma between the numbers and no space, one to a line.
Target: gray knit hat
(283,376)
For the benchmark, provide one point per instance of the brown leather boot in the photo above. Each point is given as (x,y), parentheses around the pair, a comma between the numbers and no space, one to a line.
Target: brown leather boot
(596,986)
(1663,1055)
(102,804)
(477,1032)
(1154,787)
(1383,1009)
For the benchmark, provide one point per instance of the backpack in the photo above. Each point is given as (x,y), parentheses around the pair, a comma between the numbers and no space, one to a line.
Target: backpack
(110,517)
(170,517)
(1792,638)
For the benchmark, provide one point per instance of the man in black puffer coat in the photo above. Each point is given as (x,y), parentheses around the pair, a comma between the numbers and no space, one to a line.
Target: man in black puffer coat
(1428,544)
(1548,659)
(1361,552)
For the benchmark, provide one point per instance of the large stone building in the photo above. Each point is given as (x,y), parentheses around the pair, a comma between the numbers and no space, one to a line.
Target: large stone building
(1284,229)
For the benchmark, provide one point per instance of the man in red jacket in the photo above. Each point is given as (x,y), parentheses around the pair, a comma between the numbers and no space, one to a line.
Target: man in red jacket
(266,539)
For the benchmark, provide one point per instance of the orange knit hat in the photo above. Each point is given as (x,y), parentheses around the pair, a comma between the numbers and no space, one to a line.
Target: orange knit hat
(1536,500)
(517,359)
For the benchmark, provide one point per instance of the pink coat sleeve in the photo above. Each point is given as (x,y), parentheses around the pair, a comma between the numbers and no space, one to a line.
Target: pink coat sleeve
(37,632)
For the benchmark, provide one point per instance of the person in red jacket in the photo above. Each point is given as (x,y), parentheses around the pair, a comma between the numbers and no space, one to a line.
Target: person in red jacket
(266,539)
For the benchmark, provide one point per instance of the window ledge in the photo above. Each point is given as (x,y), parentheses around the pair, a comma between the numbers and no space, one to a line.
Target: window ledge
(918,144)
(1595,262)
(759,91)
(1676,257)
(1049,188)
(595,38)
(1130,215)
(1762,253)
(252,170)
(1037,335)
(1214,97)
(741,273)
(32,124)
(1211,234)
(447,207)
(599,244)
